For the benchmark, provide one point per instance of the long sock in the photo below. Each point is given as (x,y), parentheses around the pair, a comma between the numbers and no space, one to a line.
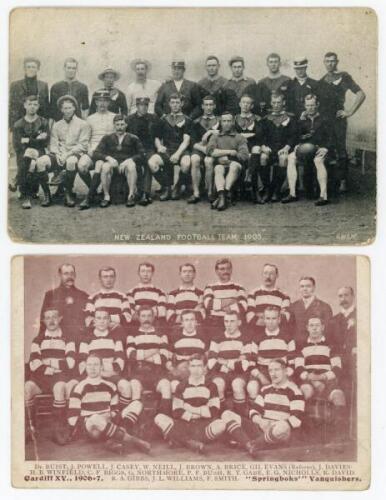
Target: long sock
(236,433)
(240,406)
(253,165)
(86,177)
(69,180)
(95,181)
(165,406)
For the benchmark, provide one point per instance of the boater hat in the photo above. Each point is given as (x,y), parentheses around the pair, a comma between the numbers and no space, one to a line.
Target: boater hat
(66,97)
(102,94)
(139,60)
(178,64)
(300,62)
(109,70)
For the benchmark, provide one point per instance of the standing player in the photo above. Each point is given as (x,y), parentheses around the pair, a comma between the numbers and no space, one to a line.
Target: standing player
(214,84)
(196,407)
(142,87)
(118,103)
(268,294)
(51,369)
(300,87)
(236,86)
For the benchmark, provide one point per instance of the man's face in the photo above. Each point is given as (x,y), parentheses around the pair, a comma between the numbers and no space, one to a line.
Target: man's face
(70,70)
(231,323)
(277,104)
(208,107)
(315,327)
(345,298)
(271,320)
(146,317)
(245,104)
(107,279)
(102,104)
(145,274)
(31,69)
(187,274)
(196,368)
(212,67)
(237,69)
(93,367)
(178,73)
(224,271)
(273,64)
(307,288)
(141,70)
(227,123)
(68,110)
(277,373)
(301,72)
(120,126)
(311,106)
(189,322)
(269,276)
(52,320)
(142,108)
(101,320)
(67,275)
(31,107)
(331,63)
(175,105)
(109,80)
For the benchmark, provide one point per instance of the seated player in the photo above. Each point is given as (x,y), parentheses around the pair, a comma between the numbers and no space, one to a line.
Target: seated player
(231,357)
(147,353)
(172,145)
(51,370)
(251,127)
(196,407)
(313,146)
(121,153)
(228,150)
(318,368)
(30,139)
(184,342)
(94,409)
(203,128)
(186,297)
(274,340)
(101,123)
(106,342)
(274,418)
(280,140)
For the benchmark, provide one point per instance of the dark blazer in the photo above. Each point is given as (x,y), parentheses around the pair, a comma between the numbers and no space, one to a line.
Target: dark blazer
(192,98)
(301,315)
(77,89)
(131,147)
(17,92)
(117,105)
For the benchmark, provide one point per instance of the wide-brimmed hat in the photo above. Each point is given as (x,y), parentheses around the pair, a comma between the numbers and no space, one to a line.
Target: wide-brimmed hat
(66,97)
(109,70)
(140,60)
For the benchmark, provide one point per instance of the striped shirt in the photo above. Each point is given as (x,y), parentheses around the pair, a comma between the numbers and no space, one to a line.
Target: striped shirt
(318,357)
(218,296)
(274,345)
(194,401)
(285,402)
(113,301)
(107,345)
(184,345)
(260,298)
(141,344)
(181,299)
(51,349)
(92,396)
(148,295)
(231,353)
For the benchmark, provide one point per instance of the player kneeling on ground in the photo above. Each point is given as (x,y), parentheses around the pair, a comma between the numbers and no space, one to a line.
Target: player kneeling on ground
(314,139)
(274,417)
(196,407)
(51,365)
(94,407)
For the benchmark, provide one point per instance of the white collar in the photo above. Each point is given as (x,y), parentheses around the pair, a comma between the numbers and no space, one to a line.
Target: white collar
(55,334)
(346,312)
(186,334)
(201,381)
(99,333)
(308,302)
(274,333)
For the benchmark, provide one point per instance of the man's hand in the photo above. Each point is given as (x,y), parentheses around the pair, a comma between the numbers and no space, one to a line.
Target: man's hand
(265,149)
(161,149)
(25,140)
(42,136)
(283,151)
(342,113)
(113,162)
(49,370)
(223,160)
(233,152)
(175,158)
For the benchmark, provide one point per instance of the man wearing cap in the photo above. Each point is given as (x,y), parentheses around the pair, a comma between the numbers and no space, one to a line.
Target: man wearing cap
(142,86)
(333,87)
(144,125)
(118,102)
(274,82)
(214,84)
(122,152)
(179,85)
(69,86)
(69,141)
(101,123)
(237,84)
(299,87)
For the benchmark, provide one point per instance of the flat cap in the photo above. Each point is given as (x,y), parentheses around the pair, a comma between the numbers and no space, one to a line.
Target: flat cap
(300,62)
(234,59)
(178,64)
(142,100)
(109,70)
(66,97)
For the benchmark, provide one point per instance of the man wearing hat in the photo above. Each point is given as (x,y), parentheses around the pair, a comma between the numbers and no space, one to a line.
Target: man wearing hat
(101,123)
(237,84)
(69,86)
(190,91)
(118,102)
(299,87)
(142,86)
(69,141)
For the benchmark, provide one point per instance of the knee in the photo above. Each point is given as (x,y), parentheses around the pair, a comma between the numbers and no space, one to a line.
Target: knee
(29,389)
(163,421)
(307,390)
(220,384)
(106,168)
(219,170)
(154,163)
(173,385)
(185,164)
(256,150)
(164,388)
(230,416)
(59,391)
(131,167)
(337,397)
(95,423)
(208,162)
(43,163)
(136,389)
(135,407)
(217,427)
(124,387)
(84,163)
(69,386)
(283,160)
(253,388)
(71,163)
(238,385)
(281,431)
(264,159)
(195,161)
(98,166)
(235,167)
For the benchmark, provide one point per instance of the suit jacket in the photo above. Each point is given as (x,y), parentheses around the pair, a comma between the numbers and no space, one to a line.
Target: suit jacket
(344,332)
(301,315)
(131,147)
(192,98)
(117,104)
(17,92)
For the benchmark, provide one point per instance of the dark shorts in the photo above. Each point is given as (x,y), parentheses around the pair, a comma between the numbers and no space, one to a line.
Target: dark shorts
(148,374)
(55,167)
(228,378)
(46,382)
(200,154)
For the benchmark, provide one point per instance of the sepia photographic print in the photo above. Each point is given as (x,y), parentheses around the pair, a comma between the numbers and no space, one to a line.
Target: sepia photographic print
(193,125)
(191,372)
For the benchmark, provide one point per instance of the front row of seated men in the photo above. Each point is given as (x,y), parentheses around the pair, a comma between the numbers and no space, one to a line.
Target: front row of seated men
(212,155)
(245,386)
